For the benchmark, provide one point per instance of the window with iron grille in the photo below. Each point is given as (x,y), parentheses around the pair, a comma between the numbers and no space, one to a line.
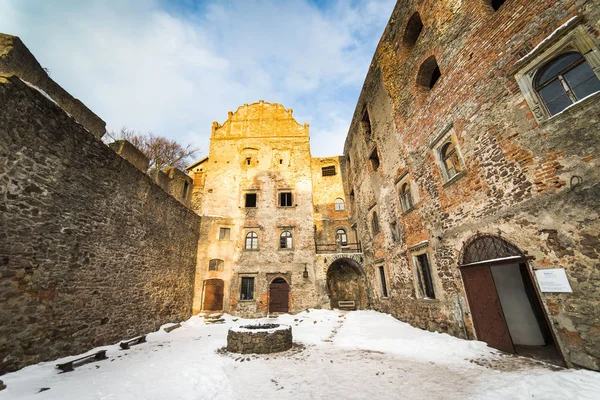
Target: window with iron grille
(251,241)
(285,199)
(424,276)
(384,291)
(215,265)
(285,240)
(328,171)
(247,290)
(224,233)
(250,200)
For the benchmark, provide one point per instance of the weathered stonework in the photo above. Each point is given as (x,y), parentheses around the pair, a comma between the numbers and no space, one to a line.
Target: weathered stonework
(91,250)
(534,185)
(259,340)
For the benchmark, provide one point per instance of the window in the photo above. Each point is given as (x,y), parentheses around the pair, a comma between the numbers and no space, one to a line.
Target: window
(424,276)
(339,205)
(496,4)
(565,80)
(251,241)
(365,123)
(429,73)
(247,290)
(375,223)
(413,29)
(215,265)
(352,195)
(341,237)
(186,187)
(285,240)
(394,230)
(328,171)
(374,159)
(450,160)
(248,160)
(406,200)
(285,199)
(224,233)
(250,200)
(384,291)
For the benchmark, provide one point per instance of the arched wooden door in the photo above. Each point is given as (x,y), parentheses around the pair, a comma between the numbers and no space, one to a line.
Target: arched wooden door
(279,293)
(213,295)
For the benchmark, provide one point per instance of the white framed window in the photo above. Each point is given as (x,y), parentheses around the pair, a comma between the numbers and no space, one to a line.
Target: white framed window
(224,233)
(341,237)
(251,241)
(339,204)
(285,240)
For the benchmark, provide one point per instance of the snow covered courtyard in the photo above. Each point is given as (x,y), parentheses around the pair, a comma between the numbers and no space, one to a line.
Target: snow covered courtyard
(354,355)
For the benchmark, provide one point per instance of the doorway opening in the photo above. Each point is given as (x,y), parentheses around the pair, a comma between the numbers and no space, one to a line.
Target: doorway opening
(506,309)
(279,294)
(213,295)
(346,284)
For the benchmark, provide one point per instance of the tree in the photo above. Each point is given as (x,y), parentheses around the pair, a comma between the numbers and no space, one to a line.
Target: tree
(161,152)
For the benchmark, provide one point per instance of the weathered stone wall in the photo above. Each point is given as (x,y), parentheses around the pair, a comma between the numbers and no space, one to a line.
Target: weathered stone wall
(91,250)
(517,176)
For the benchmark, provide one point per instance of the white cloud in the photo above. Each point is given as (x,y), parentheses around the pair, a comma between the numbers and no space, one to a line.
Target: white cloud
(173,69)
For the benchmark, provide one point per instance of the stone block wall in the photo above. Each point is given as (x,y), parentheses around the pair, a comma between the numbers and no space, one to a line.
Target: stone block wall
(91,250)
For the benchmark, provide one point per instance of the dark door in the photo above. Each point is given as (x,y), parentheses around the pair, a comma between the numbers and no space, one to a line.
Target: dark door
(213,295)
(279,296)
(488,318)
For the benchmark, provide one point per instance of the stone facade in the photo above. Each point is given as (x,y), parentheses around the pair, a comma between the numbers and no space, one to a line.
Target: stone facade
(532,182)
(259,340)
(91,250)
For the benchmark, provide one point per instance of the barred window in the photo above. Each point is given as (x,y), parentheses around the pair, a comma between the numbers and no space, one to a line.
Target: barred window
(328,171)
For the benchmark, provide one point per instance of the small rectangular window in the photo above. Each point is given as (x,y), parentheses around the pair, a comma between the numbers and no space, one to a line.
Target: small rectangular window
(247,292)
(215,265)
(250,200)
(285,199)
(424,276)
(224,233)
(248,160)
(384,290)
(328,171)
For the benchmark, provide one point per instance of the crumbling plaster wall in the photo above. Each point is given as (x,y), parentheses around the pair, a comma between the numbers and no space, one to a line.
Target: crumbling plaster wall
(91,250)
(517,172)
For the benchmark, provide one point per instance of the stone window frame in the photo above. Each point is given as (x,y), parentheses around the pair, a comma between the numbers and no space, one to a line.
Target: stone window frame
(246,237)
(570,37)
(382,277)
(328,170)
(420,292)
(216,265)
(374,221)
(244,201)
(280,192)
(341,242)
(405,179)
(247,276)
(339,205)
(221,233)
(448,135)
(290,238)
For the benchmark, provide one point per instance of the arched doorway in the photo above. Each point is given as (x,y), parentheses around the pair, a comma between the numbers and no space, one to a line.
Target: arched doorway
(213,295)
(346,283)
(505,307)
(279,294)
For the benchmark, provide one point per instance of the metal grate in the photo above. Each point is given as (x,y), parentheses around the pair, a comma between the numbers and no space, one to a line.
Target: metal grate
(488,248)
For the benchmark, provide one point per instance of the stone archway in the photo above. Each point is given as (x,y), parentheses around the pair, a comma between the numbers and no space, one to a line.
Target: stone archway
(346,283)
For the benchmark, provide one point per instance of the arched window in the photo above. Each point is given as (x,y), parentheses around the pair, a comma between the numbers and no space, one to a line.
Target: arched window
(215,265)
(285,240)
(339,205)
(450,160)
(375,223)
(405,197)
(496,4)
(413,29)
(341,237)
(565,80)
(251,241)
(429,73)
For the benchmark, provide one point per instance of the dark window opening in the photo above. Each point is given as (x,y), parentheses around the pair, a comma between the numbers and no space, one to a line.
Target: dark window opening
(496,4)
(285,240)
(186,187)
(375,223)
(424,276)
(250,200)
(215,265)
(352,195)
(406,198)
(248,160)
(564,81)
(413,29)
(450,160)
(394,230)
(247,292)
(328,171)
(429,73)
(341,237)
(224,233)
(384,290)
(281,161)
(366,123)
(251,241)
(374,159)
(285,199)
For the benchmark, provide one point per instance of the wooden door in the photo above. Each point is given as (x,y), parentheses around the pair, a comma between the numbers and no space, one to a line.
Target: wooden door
(213,295)
(279,292)
(486,310)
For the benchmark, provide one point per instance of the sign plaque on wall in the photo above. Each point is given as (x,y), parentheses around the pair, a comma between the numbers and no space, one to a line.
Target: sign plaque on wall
(553,280)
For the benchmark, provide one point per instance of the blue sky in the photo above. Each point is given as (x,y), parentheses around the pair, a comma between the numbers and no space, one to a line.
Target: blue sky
(174,66)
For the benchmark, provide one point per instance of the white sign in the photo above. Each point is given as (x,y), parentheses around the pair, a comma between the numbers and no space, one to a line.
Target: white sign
(553,280)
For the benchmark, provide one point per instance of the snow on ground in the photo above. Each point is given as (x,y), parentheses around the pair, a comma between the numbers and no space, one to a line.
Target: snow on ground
(354,355)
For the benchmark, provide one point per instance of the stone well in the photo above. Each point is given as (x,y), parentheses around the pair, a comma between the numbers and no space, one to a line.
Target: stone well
(259,338)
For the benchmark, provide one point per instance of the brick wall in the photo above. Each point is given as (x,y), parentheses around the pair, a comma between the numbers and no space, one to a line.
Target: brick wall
(91,251)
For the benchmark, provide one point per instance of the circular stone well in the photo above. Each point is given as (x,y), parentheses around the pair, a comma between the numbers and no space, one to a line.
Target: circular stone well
(259,338)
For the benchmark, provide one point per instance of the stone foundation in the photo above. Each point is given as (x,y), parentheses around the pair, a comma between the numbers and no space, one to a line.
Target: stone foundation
(259,339)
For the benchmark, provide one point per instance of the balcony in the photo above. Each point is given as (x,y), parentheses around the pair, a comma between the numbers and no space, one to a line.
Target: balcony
(326,248)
